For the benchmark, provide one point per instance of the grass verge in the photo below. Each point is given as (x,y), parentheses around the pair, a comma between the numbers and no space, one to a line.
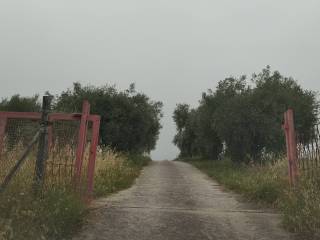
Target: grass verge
(116,171)
(268,185)
(54,215)
(58,211)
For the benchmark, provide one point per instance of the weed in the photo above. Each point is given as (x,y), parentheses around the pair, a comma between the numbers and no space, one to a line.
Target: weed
(52,216)
(58,210)
(116,171)
(268,185)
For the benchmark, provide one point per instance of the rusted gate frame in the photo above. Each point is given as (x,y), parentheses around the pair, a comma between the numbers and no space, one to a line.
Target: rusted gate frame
(291,144)
(84,119)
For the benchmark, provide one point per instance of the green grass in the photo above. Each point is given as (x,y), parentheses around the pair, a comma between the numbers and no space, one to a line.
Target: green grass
(58,212)
(116,172)
(268,185)
(301,206)
(54,215)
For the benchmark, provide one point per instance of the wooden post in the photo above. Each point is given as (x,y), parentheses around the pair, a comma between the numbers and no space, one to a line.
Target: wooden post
(81,141)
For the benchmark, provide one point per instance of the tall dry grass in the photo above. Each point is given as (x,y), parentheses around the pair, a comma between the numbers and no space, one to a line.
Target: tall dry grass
(58,210)
(301,205)
(114,171)
(26,215)
(268,185)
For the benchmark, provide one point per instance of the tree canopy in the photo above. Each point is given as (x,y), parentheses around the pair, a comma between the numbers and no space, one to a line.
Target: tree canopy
(245,117)
(20,104)
(130,121)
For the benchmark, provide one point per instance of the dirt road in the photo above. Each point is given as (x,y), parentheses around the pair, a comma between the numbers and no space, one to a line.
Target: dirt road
(173,200)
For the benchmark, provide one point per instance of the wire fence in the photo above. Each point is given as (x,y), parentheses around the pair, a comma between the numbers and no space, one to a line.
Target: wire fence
(18,133)
(303,150)
(308,150)
(71,142)
(61,154)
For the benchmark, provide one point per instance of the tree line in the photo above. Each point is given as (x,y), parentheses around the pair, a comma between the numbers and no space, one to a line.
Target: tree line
(130,120)
(242,118)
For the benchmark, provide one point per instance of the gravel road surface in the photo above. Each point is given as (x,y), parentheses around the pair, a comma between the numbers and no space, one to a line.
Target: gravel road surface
(174,200)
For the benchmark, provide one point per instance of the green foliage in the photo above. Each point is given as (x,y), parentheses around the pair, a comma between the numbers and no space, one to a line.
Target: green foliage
(246,118)
(196,135)
(115,171)
(53,216)
(62,211)
(242,127)
(301,206)
(262,184)
(130,121)
(180,116)
(273,95)
(114,177)
(138,160)
(21,104)
(268,185)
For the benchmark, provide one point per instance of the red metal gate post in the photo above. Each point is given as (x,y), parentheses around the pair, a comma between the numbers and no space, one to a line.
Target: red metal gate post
(3,124)
(291,144)
(81,141)
(92,157)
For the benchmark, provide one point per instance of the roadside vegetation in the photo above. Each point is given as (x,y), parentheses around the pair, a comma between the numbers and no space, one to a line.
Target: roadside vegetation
(58,212)
(264,184)
(243,118)
(130,124)
(116,171)
(235,135)
(54,215)
(130,120)
(268,186)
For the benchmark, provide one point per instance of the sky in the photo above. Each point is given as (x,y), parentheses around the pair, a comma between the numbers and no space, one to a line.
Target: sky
(173,50)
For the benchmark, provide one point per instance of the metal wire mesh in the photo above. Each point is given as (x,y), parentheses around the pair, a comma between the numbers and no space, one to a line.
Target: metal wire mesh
(85,160)
(69,161)
(18,134)
(62,153)
(63,137)
(309,150)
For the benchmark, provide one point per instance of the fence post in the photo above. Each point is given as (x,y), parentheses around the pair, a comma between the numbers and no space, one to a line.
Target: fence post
(291,144)
(43,143)
(81,141)
(92,157)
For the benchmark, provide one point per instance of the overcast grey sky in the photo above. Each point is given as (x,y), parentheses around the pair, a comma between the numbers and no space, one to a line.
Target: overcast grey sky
(172,49)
